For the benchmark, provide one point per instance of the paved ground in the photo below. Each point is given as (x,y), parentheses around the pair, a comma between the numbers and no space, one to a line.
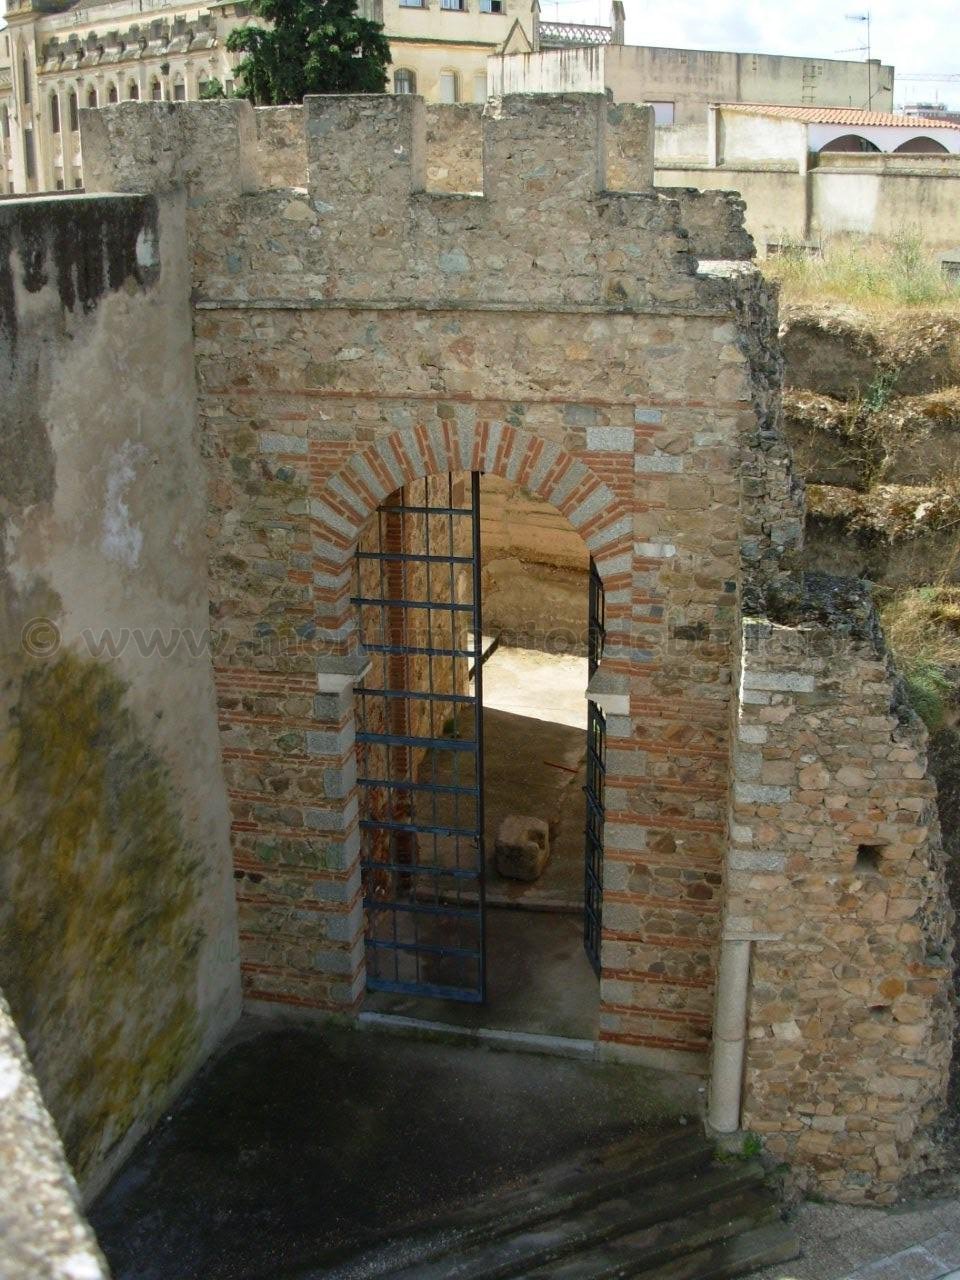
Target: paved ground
(543,685)
(538,980)
(919,1241)
(535,716)
(531,766)
(296,1140)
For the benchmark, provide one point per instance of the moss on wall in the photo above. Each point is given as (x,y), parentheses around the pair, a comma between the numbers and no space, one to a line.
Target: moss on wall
(98,931)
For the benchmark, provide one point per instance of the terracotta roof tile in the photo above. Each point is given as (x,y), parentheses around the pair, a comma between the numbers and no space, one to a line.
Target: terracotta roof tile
(836,115)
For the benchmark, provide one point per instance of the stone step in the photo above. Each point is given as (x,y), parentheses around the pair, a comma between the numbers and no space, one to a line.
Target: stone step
(640,1162)
(520,1253)
(634,1253)
(727,1259)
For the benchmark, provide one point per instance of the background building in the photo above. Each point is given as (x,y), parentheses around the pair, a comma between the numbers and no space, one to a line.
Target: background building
(56,58)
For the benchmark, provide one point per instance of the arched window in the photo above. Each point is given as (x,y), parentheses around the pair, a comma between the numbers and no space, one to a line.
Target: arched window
(449,86)
(850,142)
(179,90)
(404,81)
(25,77)
(74,112)
(54,113)
(133,91)
(4,123)
(92,97)
(156,90)
(921,146)
(112,94)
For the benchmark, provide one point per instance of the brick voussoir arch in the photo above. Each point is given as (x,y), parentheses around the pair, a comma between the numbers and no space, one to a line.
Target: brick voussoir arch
(352,494)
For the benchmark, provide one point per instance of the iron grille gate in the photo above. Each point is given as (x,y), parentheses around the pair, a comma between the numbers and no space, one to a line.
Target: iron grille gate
(420,741)
(596,771)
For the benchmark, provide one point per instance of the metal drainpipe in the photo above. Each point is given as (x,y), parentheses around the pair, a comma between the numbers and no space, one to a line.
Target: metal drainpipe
(730,1035)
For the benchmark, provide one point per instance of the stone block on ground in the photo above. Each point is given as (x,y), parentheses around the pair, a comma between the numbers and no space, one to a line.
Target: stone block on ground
(522,847)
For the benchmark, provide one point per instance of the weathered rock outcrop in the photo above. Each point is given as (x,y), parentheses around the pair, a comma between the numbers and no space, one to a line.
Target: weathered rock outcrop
(872,412)
(839,351)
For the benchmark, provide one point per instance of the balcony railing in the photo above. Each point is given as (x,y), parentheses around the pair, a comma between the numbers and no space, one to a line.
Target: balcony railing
(564,35)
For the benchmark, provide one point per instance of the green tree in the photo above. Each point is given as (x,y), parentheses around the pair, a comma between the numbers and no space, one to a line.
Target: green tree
(309,46)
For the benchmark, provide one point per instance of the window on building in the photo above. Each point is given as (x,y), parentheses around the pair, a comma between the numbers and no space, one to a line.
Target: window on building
(479,87)
(179,91)
(133,92)
(202,85)
(54,113)
(156,91)
(59,184)
(412,4)
(92,100)
(404,81)
(112,94)
(459,5)
(663,112)
(29,154)
(74,106)
(78,182)
(492,6)
(4,124)
(228,87)
(449,86)
(25,77)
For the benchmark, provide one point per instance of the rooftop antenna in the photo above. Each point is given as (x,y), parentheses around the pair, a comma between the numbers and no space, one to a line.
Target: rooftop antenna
(865,48)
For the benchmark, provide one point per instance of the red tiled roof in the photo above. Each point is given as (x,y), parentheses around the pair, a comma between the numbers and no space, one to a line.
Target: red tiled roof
(837,115)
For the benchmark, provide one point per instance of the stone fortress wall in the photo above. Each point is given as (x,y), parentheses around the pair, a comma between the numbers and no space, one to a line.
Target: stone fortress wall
(773,874)
(363,316)
(117,911)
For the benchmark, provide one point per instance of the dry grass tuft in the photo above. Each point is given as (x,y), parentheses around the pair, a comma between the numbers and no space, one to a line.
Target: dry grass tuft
(874,274)
(922,627)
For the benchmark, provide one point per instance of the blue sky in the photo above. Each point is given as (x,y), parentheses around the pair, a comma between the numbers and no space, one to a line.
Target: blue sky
(925,39)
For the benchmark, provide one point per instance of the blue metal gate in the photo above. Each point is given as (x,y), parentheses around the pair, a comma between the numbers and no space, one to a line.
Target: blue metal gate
(596,772)
(420,741)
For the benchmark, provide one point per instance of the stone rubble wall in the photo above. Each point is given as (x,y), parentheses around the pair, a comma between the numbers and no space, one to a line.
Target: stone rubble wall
(454,146)
(628,146)
(361,332)
(836,870)
(409,244)
(280,151)
(714,222)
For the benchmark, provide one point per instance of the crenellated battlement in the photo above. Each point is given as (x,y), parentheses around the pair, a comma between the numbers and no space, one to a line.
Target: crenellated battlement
(361,225)
(530,143)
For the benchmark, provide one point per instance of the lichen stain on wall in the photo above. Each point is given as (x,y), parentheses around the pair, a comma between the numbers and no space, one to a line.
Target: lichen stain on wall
(98,924)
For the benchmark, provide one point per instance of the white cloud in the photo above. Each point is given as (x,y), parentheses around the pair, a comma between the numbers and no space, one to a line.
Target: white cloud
(925,40)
